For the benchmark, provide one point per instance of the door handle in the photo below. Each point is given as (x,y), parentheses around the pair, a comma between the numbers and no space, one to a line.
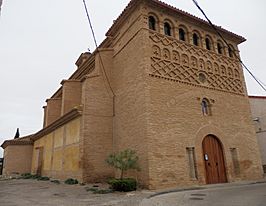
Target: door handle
(206,157)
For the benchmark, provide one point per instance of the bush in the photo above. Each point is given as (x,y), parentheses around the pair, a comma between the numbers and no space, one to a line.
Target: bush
(43,178)
(123,185)
(91,189)
(26,176)
(55,181)
(35,176)
(29,176)
(99,191)
(102,191)
(71,181)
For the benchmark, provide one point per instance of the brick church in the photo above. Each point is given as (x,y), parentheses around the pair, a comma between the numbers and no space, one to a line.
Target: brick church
(162,83)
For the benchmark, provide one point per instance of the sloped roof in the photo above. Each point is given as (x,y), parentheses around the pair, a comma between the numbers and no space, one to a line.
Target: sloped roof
(19,141)
(133,3)
(28,140)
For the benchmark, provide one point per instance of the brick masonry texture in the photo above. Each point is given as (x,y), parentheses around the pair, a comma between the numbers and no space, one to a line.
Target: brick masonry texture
(17,159)
(143,90)
(258,115)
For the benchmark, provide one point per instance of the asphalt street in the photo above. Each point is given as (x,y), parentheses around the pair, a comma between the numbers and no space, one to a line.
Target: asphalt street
(20,192)
(240,195)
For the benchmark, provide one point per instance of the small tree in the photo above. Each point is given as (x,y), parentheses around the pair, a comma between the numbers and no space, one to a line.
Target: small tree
(123,161)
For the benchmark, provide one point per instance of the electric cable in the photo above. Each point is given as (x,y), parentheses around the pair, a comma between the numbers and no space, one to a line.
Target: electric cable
(96,45)
(221,36)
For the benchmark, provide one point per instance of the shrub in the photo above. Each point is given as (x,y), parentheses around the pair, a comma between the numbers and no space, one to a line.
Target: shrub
(99,191)
(71,181)
(29,176)
(124,160)
(91,189)
(26,176)
(35,176)
(123,185)
(102,191)
(43,178)
(55,181)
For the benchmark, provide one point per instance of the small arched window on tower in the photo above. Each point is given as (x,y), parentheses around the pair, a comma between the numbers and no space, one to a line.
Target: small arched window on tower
(230,51)
(205,107)
(208,43)
(220,48)
(182,34)
(167,29)
(152,23)
(195,39)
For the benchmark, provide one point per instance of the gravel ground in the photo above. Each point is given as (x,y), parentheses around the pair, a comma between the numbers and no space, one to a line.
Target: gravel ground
(21,192)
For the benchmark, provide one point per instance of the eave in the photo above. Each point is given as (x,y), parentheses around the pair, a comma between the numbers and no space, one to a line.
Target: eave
(74,113)
(133,3)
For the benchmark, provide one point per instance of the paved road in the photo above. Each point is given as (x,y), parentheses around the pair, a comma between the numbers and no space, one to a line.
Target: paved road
(39,193)
(32,192)
(241,195)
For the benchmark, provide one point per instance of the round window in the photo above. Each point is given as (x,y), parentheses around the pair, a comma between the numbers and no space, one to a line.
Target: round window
(202,78)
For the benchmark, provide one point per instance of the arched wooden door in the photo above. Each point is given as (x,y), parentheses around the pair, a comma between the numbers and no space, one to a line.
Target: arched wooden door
(214,160)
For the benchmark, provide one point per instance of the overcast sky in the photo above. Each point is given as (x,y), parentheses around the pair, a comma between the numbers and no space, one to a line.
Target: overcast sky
(40,40)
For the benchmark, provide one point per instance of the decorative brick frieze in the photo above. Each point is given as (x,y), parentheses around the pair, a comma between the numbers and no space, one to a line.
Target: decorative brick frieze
(175,60)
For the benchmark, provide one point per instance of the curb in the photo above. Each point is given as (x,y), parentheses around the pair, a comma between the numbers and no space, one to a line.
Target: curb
(233,184)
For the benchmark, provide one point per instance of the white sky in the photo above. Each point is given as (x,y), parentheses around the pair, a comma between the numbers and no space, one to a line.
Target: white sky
(41,40)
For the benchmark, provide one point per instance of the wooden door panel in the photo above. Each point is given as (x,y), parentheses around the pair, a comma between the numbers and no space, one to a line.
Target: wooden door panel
(214,164)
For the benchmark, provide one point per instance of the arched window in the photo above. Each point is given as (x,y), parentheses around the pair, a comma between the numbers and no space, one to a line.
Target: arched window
(182,34)
(152,23)
(167,29)
(195,39)
(220,48)
(230,51)
(208,43)
(205,107)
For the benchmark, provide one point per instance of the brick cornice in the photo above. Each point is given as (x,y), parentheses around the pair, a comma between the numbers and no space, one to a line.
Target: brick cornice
(133,4)
(20,141)
(28,140)
(58,93)
(69,80)
(12,142)
(84,68)
(74,113)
